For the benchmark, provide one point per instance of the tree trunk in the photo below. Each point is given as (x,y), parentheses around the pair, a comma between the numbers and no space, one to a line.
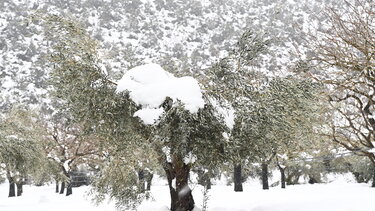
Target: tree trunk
(69,185)
(149,180)
(237,177)
(181,197)
(12,187)
(208,183)
(312,180)
(283,178)
(358,177)
(327,164)
(62,187)
(282,171)
(204,178)
(373,179)
(19,188)
(292,176)
(57,186)
(170,176)
(265,176)
(141,180)
(69,189)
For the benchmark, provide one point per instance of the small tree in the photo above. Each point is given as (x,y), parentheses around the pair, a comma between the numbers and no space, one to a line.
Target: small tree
(20,147)
(231,83)
(278,122)
(69,147)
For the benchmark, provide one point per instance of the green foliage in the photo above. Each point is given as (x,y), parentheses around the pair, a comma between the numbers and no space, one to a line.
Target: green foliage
(232,79)
(199,134)
(21,149)
(118,178)
(118,173)
(249,46)
(361,167)
(78,81)
(280,118)
(90,99)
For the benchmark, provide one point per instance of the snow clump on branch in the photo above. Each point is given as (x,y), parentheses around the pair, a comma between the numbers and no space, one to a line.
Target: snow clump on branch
(149,85)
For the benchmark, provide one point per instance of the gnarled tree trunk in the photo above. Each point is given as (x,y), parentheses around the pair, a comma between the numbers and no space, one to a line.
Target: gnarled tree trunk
(237,178)
(178,177)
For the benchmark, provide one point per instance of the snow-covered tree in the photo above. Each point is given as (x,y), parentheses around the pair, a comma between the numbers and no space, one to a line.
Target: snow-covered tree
(168,113)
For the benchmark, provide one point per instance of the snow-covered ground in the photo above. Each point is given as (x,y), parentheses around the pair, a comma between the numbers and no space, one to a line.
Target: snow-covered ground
(336,196)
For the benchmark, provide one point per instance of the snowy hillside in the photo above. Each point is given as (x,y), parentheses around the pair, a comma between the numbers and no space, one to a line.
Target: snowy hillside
(181,36)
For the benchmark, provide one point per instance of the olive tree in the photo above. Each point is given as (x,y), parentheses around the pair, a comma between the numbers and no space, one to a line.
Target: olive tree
(20,147)
(91,97)
(231,83)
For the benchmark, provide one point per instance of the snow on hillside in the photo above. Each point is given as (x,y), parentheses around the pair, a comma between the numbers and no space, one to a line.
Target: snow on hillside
(337,196)
(185,36)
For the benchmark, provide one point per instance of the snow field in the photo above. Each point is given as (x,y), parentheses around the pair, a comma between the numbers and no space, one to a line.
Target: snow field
(336,196)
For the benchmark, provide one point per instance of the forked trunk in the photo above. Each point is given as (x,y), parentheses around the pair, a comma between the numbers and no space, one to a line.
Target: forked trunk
(178,177)
(237,177)
(265,176)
